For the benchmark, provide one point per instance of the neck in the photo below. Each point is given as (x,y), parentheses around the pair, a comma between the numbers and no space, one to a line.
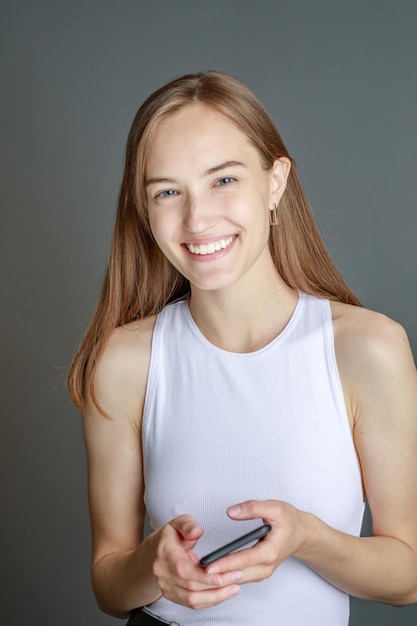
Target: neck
(244,317)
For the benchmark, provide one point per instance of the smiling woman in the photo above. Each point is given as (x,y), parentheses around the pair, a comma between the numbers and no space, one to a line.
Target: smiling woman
(212,224)
(229,376)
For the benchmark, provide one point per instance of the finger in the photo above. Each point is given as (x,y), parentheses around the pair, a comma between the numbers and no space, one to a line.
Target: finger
(240,561)
(187,527)
(201,599)
(256,573)
(254,509)
(260,555)
(210,582)
(191,576)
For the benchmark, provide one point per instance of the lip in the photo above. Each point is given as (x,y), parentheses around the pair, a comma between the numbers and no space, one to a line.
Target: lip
(204,258)
(206,240)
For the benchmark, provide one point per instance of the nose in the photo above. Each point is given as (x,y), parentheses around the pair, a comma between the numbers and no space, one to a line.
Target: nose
(199,214)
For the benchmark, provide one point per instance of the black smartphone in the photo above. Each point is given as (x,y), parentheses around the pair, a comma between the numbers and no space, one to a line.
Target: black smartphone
(234,545)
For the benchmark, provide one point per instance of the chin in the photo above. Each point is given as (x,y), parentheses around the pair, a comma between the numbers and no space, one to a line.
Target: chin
(211,285)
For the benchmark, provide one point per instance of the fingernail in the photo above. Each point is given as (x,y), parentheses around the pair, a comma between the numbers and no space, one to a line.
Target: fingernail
(235,577)
(216,581)
(189,528)
(234,591)
(235,510)
(213,570)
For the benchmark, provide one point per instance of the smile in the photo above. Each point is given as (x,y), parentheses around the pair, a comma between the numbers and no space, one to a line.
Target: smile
(210,248)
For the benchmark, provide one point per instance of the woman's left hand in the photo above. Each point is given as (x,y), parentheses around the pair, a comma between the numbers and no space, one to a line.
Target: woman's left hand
(288,537)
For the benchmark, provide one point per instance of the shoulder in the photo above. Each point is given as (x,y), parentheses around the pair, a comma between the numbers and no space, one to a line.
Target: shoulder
(121,375)
(366,336)
(373,354)
(128,345)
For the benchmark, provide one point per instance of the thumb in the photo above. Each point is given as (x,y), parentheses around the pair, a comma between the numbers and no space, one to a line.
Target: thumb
(252,509)
(187,527)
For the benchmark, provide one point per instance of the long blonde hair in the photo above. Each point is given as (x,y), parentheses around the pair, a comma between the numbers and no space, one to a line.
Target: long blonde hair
(140,281)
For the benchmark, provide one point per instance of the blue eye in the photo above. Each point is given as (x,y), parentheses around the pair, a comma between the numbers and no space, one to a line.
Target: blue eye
(225,181)
(166,194)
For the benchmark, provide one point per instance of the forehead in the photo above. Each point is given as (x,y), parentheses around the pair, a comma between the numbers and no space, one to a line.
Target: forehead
(194,131)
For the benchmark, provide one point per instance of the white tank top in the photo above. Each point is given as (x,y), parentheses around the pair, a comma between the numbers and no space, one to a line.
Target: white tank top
(221,427)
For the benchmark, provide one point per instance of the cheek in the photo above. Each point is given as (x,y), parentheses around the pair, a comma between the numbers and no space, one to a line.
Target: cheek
(257,213)
(162,231)
(157,225)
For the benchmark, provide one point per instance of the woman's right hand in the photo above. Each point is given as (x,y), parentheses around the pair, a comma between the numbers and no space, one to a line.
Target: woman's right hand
(179,575)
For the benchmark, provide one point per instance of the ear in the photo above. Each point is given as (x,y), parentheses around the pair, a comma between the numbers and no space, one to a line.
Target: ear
(279,176)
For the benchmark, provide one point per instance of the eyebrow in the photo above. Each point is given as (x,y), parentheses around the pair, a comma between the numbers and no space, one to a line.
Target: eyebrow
(223,166)
(209,172)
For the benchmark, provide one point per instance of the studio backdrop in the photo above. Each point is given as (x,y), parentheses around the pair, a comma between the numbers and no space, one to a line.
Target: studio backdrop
(339,79)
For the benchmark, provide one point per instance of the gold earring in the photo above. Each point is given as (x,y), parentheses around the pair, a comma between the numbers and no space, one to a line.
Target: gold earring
(273,216)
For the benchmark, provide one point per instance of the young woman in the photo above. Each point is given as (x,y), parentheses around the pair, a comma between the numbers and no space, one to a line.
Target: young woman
(230,377)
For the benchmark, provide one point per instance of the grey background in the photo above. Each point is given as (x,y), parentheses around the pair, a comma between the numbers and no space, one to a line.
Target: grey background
(340,81)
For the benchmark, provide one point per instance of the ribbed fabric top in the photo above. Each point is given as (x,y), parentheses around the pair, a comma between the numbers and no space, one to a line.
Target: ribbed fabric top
(221,427)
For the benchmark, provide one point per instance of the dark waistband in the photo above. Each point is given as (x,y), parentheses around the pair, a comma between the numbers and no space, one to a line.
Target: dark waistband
(139,617)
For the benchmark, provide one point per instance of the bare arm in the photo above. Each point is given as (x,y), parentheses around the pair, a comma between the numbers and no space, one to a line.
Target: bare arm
(115,477)
(380,379)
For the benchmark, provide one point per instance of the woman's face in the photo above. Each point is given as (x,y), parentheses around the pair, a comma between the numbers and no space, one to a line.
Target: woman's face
(209,198)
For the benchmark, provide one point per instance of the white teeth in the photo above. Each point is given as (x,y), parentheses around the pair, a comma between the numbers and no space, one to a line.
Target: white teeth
(209,248)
